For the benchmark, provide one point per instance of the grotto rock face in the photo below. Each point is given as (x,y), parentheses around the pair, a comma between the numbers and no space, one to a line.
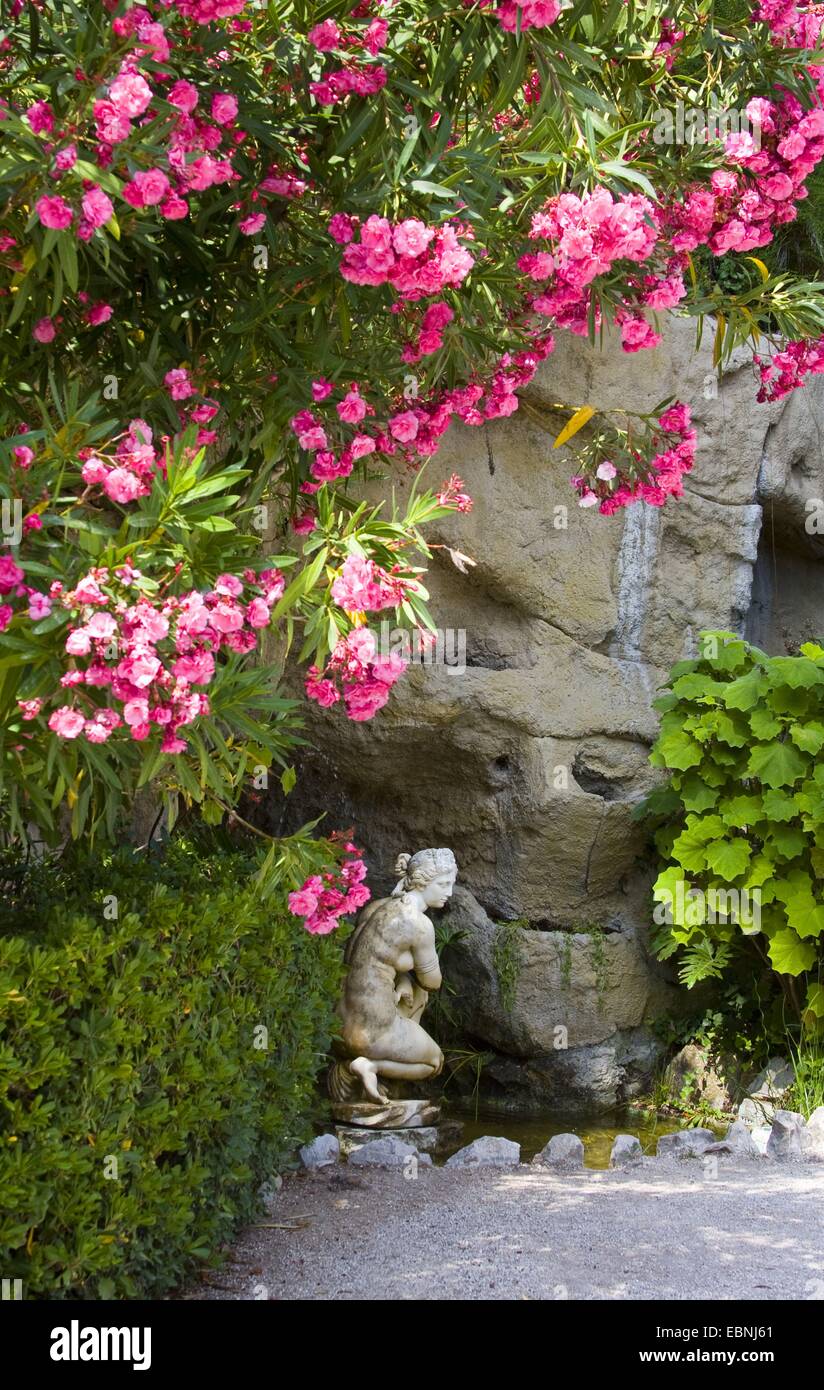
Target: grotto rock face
(527,756)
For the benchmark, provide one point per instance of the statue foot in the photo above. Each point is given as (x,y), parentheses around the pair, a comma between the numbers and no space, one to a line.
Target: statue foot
(367,1072)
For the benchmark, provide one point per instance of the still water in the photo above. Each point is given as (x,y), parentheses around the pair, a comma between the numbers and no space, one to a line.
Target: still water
(597,1132)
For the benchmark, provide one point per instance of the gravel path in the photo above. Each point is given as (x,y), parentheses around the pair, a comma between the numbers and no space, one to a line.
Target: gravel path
(662,1230)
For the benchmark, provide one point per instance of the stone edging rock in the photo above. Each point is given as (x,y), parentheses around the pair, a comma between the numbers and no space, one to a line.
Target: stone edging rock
(790,1138)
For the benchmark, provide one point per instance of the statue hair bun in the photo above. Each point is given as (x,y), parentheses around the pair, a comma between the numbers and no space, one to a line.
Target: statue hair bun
(402,863)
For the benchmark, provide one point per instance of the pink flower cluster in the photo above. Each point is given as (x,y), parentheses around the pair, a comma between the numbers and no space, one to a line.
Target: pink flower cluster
(586,236)
(662,477)
(133,470)
(198,148)
(430,334)
(356,669)
(788,369)
(363,587)
(324,898)
(150,654)
(414,259)
(415,431)
(357,76)
(207,11)
(530,14)
(452,494)
(667,46)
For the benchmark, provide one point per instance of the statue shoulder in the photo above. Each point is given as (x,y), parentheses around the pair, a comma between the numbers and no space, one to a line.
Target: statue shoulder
(376,917)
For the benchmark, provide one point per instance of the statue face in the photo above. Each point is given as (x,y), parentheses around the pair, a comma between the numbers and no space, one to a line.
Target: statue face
(438,891)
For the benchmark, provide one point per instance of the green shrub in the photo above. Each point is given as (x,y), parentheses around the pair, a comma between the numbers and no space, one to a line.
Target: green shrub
(742,817)
(140,1107)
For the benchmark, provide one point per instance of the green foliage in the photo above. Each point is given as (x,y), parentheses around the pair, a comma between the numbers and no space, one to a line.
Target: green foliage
(506,959)
(137,1041)
(741,821)
(807,1091)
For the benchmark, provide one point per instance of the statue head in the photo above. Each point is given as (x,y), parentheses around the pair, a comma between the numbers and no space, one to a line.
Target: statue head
(430,872)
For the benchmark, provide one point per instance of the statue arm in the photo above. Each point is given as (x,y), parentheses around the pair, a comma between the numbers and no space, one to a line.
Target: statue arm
(425,957)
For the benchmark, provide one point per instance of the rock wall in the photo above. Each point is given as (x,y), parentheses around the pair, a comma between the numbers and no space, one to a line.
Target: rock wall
(528,761)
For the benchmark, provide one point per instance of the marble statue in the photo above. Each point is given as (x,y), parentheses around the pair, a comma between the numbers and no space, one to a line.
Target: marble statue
(392,966)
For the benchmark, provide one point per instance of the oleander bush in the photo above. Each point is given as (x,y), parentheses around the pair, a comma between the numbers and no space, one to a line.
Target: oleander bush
(161,1026)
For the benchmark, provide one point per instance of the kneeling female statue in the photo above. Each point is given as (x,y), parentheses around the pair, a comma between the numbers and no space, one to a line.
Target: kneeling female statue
(392,966)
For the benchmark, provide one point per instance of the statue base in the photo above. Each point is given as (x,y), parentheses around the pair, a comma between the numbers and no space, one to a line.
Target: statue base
(427,1139)
(388,1114)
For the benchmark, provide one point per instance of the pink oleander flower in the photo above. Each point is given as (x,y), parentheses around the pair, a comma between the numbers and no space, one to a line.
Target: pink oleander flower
(67,722)
(352,408)
(404,426)
(44,331)
(184,96)
(66,158)
(174,208)
(253,223)
(97,207)
(342,228)
(54,212)
(130,94)
(180,387)
(224,108)
(40,606)
(10,575)
(324,37)
(147,188)
(41,118)
(97,314)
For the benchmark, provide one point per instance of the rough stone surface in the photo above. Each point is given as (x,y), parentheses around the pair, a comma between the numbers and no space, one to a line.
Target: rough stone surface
(572,1029)
(387,1152)
(774,1081)
(694,1074)
(784,1142)
(738,1141)
(754,1111)
(422,1138)
(322,1150)
(562,1151)
(488,1152)
(685,1143)
(527,756)
(761,1137)
(812,1137)
(626,1149)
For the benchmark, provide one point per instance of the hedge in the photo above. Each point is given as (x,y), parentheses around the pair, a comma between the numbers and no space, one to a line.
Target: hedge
(142,1101)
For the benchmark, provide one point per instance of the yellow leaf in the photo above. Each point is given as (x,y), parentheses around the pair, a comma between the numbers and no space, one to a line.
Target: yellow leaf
(126,1144)
(29,1241)
(30,257)
(574,424)
(113,226)
(719,339)
(693,276)
(763,271)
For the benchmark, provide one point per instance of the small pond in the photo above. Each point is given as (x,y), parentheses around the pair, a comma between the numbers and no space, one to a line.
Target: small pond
(598,1132)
